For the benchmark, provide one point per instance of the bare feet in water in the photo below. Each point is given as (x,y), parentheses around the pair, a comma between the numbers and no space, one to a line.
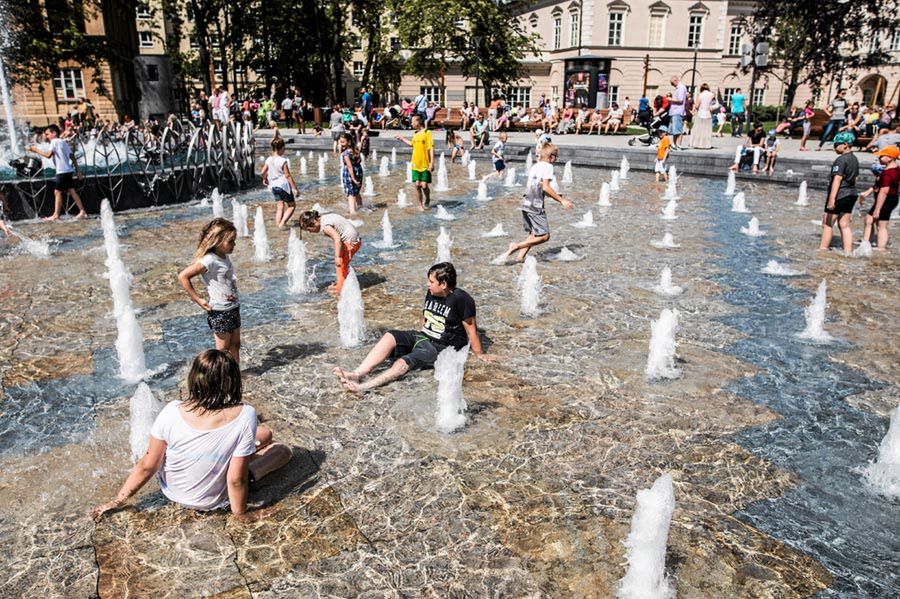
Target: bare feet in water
(350,376)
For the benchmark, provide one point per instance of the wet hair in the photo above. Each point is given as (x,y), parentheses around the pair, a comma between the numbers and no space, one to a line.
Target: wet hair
(53,128)
(277,144)
(307,219)
(213,382)
(215,232)
(444,272)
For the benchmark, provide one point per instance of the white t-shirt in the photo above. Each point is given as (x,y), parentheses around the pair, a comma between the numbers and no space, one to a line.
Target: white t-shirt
(220,282)
(287,104)
(533,199)
(195,467)
(276,172)
(344,227)
(62,156)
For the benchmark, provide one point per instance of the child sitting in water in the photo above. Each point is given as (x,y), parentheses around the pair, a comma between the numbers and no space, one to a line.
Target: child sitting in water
(212,264)
(276,174)
(448,320)
(207,451)
(344,235)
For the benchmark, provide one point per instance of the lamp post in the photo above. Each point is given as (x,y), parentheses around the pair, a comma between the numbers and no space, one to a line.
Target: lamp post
(694,71)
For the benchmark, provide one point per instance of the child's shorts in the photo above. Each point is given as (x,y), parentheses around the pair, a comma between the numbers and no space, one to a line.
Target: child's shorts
(499,165)
(536,223)
(842,205)
(224,322)
(660,167)
(282,195)
(416,349)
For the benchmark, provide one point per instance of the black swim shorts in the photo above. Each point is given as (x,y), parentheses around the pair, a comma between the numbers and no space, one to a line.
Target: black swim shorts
(415,348)
(842,205)
(890,203)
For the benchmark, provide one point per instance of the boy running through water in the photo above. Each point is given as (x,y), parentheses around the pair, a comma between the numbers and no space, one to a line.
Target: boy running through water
(534,214)
(841,193)
(448,320)
(498,154)
(422,160)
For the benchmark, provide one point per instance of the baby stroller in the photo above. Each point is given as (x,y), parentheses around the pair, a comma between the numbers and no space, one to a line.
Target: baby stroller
(652,125)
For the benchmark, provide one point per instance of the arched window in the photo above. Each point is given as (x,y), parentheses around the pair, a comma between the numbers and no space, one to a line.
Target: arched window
(557,28)
(656,32)
(574,27)
(617,10)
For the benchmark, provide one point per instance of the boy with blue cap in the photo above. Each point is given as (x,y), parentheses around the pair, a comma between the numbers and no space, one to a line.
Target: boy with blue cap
(842,194)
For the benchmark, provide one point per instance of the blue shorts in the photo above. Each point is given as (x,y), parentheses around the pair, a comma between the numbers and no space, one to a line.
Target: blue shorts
(676,124)
(499,165)
(282,195)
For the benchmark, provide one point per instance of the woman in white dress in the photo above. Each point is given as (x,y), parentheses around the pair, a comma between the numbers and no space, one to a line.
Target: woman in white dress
(701,134)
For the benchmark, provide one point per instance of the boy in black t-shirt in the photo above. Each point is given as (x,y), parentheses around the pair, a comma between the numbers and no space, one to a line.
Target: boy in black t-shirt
(448,320)
(842,193)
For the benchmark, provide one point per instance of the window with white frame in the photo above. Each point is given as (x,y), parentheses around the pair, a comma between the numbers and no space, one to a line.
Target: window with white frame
(613,94)
(217,67)
(557,31)
(759,96)
(357,42)
(895,41)
(432,93)
(69,84)
(357,67)
(554,92)
(874,43)
(728,92)
(657,31)
(574,28)
(193,42)
(734,40)
(145,39)
(519,96)
(695,31)
(533,20)
(143,11)
(616,27)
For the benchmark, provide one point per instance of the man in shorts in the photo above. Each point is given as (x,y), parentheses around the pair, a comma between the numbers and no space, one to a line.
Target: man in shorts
(66,168)
(422,159)
(842,194)
(448,320)
(676,112)
(540,184)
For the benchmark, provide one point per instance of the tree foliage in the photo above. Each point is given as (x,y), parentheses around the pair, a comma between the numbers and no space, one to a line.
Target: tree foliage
(814,41)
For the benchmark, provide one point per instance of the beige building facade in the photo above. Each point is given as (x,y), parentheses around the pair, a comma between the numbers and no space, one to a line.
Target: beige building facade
(641,44)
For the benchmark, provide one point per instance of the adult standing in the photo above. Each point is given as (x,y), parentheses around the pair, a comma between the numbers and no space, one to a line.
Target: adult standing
(738,113)
(677,112)
(336,125)
(836,112)
(65,166)
(366,101)
(287,107)
(421,104)
(701,135)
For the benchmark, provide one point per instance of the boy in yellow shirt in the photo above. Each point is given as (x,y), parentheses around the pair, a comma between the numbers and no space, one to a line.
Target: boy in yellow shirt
(422,160)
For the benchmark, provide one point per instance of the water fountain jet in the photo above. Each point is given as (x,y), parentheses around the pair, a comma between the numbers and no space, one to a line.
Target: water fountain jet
(143,410)
(530,285)
(815,317)
(661,354)
(351,313)
(300,281)
(260,238)
(451,406)
(444,243)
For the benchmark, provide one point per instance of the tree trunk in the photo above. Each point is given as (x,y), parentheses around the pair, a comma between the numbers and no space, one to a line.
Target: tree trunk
(790,90)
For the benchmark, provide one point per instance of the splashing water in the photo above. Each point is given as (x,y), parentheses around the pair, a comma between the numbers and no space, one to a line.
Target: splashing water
(43,248)
(130,347)
(668,211)
(409,170)
(567,173)
(661,355)
(673,175)
(646,544)
(393,156)
(300,280)
(384,170)
(351,313)
(566,255)
(604,202)
(144,408)
(738,203)
(217,208)
(752,228)
(402,202)
(204,203)
(671,187)
(802,196)
(883,475)
(586,221)
(387,233)
(451,406)
(304,169)
(239,216)
(530,286)
(624,167)
(369,190)
(319,208)
(321,167)
(442,214)
(471,166)
(864,250)
(442,161)
(482,192)
(260,239)
(772,267)
(732,184)
(443,180)
(444,243)
(614,181)
(466,157)
(665,286)
(815,317)
(374,156)
(497,231)
(666,242)
(510,178)
(529,161)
